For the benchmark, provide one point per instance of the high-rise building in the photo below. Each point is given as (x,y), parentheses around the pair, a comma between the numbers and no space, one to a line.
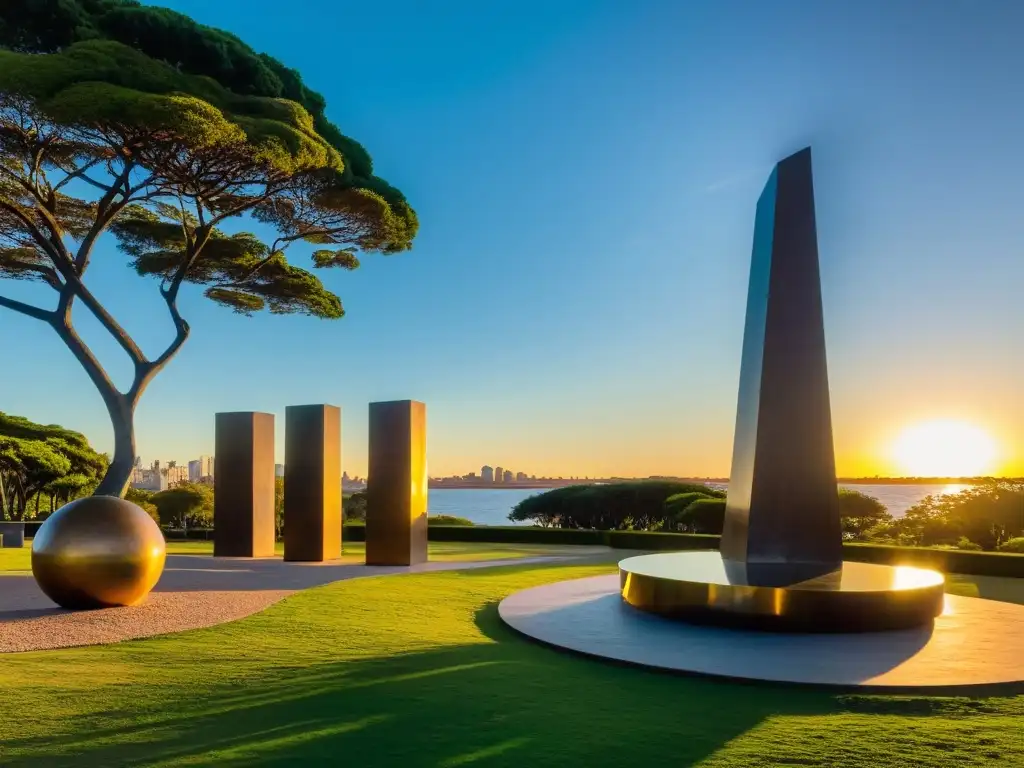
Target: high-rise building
(152,479)
(194,474)
(487,474)
(175,474)
(205,467)
(521,477)
(499,474)
(279,470)
(508,477)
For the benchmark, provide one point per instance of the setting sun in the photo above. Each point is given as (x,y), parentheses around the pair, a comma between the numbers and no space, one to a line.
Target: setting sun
(944,449)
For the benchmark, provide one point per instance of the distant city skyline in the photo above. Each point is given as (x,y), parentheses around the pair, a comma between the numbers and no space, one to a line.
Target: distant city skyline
(585,173)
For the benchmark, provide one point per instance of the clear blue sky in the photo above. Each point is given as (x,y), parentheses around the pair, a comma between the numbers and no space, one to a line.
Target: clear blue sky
(586,173)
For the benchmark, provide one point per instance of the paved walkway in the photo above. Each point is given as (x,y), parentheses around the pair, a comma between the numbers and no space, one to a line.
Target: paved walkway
(974,642)
(195,591)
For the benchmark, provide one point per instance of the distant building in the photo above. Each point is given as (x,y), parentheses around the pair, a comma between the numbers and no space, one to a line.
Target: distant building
(279,470)
(507,477)
(152,479)
(487,474)
(175,474)
(194,475)
(352,484)
(499,474)
(521,477)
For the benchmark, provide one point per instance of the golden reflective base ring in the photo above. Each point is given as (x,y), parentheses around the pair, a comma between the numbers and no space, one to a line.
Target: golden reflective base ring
(702,587)
(98,552)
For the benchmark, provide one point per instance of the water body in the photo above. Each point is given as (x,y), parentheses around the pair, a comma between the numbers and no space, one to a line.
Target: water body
(486,506)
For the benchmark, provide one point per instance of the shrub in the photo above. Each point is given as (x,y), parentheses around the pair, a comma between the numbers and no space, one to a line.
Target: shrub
(1015,545)
(354,507)
(637,505)
(677,503)
(447,520)
(987,515)
(704,516)
(861,513)
(967,545)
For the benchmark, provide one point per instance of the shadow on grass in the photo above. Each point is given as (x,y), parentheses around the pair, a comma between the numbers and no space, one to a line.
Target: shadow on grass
(506,702)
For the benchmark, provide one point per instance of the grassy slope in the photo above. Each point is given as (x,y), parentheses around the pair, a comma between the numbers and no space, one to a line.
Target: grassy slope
(419,671)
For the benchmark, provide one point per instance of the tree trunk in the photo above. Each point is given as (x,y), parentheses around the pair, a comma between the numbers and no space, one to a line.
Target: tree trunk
(119,473)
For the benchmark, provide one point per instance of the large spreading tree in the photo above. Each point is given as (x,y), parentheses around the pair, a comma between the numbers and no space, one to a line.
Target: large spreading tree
(135,124)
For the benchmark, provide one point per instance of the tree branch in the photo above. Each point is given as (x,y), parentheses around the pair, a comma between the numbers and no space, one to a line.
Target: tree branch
(106,210)
(126,342)
(42,240)
(27,309)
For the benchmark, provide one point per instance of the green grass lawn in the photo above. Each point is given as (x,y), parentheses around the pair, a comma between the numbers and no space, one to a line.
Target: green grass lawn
(419,671)
(19,560)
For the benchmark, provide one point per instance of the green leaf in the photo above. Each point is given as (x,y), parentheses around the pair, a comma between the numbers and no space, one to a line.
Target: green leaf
(343,258)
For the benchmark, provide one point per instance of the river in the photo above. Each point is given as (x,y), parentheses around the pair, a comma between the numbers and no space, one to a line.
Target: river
(486,506)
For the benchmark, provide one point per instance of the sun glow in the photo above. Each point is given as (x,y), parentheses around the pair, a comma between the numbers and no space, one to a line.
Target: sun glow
(944,449)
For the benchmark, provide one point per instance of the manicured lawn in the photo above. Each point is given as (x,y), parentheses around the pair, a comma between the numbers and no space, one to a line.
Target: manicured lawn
(19,560)
(419,671)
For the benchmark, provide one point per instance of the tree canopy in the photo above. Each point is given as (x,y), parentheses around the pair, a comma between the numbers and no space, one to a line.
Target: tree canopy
(185,505)
(48,26)
(139,122)
(40,459)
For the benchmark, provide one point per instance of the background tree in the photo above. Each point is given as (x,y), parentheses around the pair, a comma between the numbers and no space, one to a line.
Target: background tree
(37,460)
(144,499)
(160,144)
(860,513)
(704,516)
(278,507)
(353,508)
(987,515)
(27,467)
(185,505)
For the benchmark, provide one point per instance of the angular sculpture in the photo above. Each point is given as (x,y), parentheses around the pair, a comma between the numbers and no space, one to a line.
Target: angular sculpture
(780,566)
(782,517)
(396,484)
(312,483)
(243,494)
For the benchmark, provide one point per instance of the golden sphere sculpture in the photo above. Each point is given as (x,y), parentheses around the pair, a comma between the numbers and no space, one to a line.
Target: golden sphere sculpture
(98,552)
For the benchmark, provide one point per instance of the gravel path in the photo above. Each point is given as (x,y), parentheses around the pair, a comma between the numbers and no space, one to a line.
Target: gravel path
(195,591)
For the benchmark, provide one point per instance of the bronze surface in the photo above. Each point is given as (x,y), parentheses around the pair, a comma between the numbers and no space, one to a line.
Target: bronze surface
(243,490)
(97,552)
(702,587)
(396,485)
(312,483)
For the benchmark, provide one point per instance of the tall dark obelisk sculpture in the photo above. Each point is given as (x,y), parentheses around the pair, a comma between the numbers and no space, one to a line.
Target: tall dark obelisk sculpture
(782,516)
(396,484)
(312,483)
(243,493)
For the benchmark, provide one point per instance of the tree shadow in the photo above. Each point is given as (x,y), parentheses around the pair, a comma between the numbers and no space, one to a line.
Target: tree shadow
(499,702)
(506,702)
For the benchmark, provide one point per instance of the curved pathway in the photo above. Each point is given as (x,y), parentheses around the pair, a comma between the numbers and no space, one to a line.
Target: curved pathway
(195,591)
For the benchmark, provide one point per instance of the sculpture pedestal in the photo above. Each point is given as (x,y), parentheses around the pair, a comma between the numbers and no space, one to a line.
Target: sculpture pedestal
(702,587)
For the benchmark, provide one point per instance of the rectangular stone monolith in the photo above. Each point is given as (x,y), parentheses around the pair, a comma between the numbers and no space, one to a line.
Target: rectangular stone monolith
(312,483)
(782,507)
(396,484)
(243,491)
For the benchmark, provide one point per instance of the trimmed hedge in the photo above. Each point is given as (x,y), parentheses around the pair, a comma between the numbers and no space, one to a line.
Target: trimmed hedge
(945,560)
(516,534)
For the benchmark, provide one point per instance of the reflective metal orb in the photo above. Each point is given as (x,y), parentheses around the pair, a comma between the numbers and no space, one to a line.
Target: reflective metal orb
(98,552)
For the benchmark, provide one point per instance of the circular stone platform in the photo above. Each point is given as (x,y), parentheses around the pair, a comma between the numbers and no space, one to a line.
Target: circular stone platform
(705,588)
(973,643)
